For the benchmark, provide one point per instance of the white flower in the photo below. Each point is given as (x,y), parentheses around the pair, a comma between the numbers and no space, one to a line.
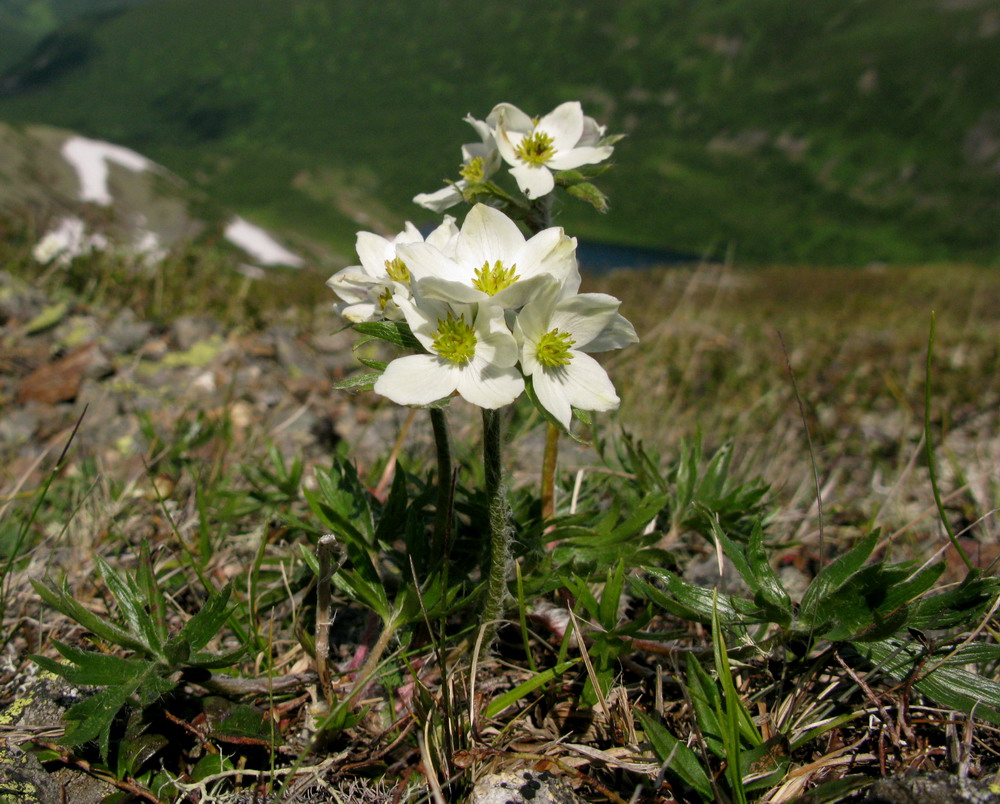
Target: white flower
(492,262)
(480,160)
(367,290)
(561,140)
(553,336)
(471,351)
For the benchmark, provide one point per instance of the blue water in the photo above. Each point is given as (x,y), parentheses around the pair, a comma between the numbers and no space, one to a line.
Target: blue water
(597,258)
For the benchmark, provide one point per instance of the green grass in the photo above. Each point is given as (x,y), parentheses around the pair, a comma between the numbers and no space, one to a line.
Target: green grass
(714,97)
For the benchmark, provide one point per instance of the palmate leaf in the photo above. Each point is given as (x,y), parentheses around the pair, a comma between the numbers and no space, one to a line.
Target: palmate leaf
(124,681)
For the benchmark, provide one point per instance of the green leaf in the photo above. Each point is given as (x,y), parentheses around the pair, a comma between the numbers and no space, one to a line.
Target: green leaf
(588,192)
(64,602)
(397,332)
(363,382)
(832,577)
(90,668)
(511,697)
(947,685)
(692,602)
(683,762)
(203,626)
(125,589)
(378,365)
(611,596)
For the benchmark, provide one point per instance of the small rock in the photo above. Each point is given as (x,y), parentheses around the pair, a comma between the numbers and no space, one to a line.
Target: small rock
(60,380)
(126,334)
(931,788)
(189,330)
(523,787)
(23,779)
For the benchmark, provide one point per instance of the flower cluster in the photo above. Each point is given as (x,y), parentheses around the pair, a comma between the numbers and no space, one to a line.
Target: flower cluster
(492,310)
(563,139)
(495,312)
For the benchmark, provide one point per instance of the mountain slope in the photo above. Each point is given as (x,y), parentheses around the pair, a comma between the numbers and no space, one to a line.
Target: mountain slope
(826,131)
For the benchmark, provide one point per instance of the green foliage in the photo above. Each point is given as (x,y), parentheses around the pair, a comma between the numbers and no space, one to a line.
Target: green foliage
(158,656)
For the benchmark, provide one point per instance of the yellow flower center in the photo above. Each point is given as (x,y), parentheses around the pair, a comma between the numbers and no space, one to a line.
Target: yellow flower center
(535,149)
(397,270)
(385,298)
(474,170)
(491,280)
(455,340)
(552,348)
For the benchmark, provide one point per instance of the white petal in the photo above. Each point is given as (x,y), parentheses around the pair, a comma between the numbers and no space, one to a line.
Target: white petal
(549,252)
(443,237)
(617,334)
(592,132)
(587,385)
(356,313)
(510,117)
(423,260)
(584,316)
(495,344)
(439,200)
(507,143)
(533,180)
(433,287)
(520,292)
(533,320)
(487,235)
(491,386)
(573,158)
(418,380)
(410,234)
(549,391)
(351,284)
(373,250)
(564,124)
(422,315)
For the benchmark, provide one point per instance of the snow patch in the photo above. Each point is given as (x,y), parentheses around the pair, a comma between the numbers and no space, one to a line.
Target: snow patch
(90,159)
(260,245)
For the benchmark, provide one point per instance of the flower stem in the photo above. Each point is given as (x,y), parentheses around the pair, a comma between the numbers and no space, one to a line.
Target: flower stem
(549,460)
(501,533)
(538,219)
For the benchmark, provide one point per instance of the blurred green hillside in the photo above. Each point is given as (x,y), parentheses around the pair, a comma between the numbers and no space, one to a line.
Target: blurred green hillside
(830,131)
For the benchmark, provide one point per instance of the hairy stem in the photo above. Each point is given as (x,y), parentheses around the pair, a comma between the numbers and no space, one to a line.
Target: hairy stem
(501,533)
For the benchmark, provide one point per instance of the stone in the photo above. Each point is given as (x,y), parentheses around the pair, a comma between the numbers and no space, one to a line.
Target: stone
(60,380)
(523,787)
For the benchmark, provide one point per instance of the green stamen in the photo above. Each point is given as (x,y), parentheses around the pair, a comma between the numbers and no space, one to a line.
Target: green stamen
(397,270)
(455,340)
(535,149)
(385,298)
(552,348)
(492,280)
(474,171)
